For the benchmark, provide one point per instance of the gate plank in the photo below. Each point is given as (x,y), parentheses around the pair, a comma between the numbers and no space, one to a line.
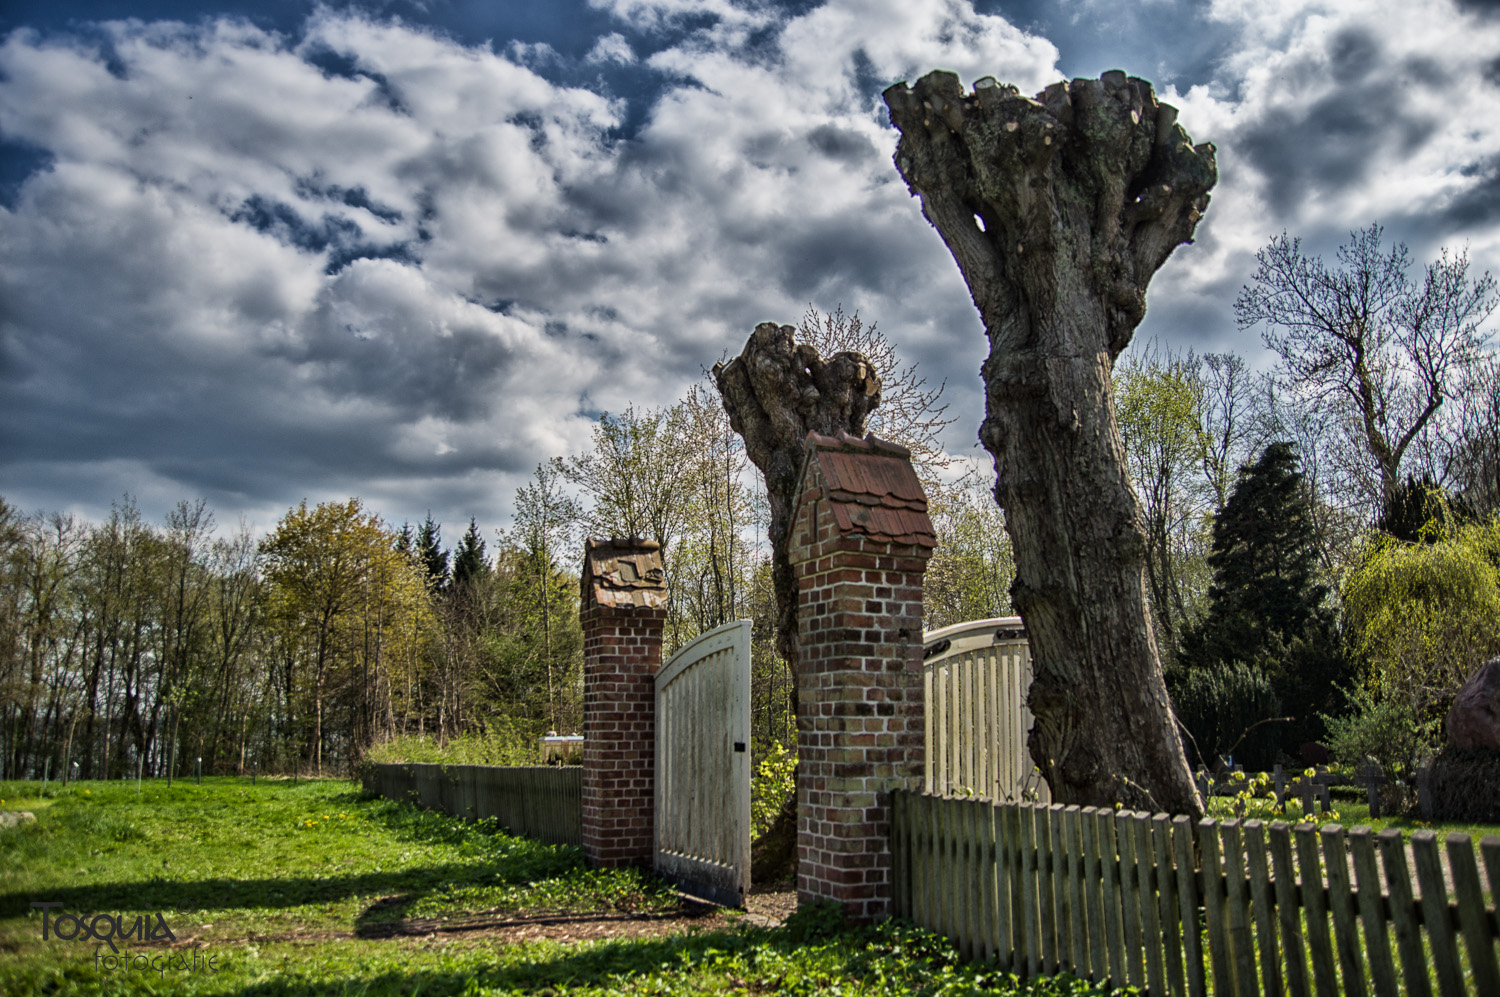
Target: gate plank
(702,784)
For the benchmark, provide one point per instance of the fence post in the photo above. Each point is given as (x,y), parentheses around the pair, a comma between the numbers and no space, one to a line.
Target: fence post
(859,546)
(623,612)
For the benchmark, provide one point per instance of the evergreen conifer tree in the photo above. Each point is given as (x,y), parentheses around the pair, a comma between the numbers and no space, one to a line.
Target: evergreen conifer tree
(1266,608)
(469,562)
(431,554)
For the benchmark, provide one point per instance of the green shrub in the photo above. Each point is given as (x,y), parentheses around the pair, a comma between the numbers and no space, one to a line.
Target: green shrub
(1219,704)
(771,784)
(1385,728)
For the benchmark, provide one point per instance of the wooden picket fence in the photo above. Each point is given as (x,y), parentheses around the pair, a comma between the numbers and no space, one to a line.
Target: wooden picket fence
(534,801)
(1217,907)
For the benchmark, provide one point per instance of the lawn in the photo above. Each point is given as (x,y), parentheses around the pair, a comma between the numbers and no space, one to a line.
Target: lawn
(312,888)
(1350,809)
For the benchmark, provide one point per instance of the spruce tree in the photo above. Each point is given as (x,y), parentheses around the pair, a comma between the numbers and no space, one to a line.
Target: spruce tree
(1264,561)
(469,563)
(430,553)
(1266,608)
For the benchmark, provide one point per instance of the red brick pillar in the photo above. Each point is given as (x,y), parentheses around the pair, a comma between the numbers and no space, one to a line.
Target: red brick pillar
(623,611)
(859,546)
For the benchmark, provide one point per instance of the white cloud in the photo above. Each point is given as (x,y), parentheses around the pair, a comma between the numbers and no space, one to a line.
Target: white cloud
(611,48)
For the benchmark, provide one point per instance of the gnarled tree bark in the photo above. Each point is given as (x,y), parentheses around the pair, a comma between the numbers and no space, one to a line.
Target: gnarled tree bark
(776,392)
(1058,210)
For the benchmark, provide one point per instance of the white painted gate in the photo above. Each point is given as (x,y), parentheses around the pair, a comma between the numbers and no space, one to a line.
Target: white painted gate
(703,766)
(975,679)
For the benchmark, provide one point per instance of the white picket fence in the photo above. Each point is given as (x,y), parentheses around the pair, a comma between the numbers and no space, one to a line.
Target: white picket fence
(975,679)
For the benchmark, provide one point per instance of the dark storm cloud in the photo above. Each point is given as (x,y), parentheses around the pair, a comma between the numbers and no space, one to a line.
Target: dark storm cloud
(1300,152)
(1483,8)
(1350,131)
(1477,206)
(1353,54)
(841,143)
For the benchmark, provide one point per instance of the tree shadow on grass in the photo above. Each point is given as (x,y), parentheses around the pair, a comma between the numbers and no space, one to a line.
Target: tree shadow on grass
(287,891)
(557,970)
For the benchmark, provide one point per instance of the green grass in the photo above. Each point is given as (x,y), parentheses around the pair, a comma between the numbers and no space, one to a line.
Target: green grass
(276,880)
(1348,813)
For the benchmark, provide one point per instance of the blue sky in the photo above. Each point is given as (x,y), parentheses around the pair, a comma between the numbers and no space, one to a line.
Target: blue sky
(406,250)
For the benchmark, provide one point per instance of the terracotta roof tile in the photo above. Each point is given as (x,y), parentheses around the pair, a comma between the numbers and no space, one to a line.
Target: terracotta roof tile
(871,488)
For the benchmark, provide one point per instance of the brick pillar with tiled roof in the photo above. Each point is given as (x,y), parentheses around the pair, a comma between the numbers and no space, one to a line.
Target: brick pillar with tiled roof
(623,611)
(860,542)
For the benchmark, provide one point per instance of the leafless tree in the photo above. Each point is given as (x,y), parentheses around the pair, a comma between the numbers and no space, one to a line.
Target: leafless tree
(1364,345)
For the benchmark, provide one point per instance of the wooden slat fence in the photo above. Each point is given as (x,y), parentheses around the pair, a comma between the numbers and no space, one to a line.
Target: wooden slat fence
(542,802)
(975,679)
(1217,907)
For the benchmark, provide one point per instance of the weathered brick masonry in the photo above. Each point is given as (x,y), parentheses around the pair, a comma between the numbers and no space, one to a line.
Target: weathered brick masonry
(859,546)
(623,612)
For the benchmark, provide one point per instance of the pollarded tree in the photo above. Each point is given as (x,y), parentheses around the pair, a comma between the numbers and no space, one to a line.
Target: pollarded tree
(1375,350)
(1058,211)
(910,412)
(776,392)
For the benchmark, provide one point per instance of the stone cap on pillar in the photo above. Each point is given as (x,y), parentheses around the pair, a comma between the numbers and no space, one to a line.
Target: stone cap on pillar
(623,573)
(870,488)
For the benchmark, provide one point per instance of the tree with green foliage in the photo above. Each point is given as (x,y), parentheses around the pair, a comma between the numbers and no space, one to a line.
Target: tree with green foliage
(1159,408)
(538,544)
(342,598)
(1424,616)
(1266,608)
(969,575)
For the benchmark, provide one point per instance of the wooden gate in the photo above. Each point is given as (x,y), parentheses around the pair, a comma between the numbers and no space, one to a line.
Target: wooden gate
(975,679)
(703,766)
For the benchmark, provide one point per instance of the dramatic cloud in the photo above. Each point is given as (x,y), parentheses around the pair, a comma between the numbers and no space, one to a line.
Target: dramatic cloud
(370,257)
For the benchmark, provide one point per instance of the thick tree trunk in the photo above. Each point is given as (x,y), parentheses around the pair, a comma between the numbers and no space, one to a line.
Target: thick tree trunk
(1058,211)
(776,392)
